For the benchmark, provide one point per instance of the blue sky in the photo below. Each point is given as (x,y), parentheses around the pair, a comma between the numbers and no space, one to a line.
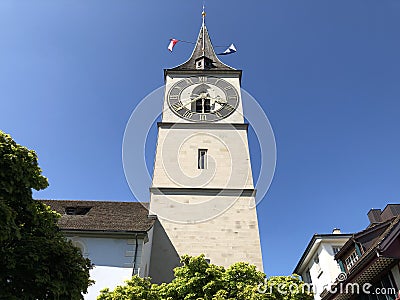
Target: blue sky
(325,72)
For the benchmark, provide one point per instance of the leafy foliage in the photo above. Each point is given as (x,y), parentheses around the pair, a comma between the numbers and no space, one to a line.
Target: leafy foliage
(199,280)
(286,288)
(37,262)
(135,289)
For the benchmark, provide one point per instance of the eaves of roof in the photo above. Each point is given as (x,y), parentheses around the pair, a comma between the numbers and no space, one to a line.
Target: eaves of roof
(307,252)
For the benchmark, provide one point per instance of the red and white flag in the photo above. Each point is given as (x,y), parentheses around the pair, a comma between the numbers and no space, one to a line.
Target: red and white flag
(172,43)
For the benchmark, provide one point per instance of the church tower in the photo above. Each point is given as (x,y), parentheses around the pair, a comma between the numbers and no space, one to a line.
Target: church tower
(202,191)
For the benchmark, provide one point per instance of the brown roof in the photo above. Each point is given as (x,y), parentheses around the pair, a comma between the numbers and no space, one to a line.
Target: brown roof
(369,265)
(379,228)
(102,215)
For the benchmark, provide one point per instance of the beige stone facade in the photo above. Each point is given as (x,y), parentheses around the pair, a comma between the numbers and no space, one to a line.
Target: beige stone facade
(208,209)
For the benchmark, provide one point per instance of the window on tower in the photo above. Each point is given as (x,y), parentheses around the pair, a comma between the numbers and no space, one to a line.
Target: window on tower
(207,106)
(199,106)
(202,159)
(203,106)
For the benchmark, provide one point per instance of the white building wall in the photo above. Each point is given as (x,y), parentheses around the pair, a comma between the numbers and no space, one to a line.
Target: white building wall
(330,264)
(106,277)
(112,258)
(324,273)
(317,274)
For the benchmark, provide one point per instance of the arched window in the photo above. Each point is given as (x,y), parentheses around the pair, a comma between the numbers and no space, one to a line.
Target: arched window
(78,243)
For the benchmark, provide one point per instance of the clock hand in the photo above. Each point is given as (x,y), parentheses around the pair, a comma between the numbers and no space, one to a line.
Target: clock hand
(219,100)
(201,96)
(191,100)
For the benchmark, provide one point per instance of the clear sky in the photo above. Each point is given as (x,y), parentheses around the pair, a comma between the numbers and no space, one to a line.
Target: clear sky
(327,74)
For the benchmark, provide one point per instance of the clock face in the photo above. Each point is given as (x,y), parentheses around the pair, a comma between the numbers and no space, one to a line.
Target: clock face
(203,98)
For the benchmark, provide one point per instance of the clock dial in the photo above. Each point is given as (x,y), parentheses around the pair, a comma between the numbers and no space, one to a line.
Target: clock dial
(203,98)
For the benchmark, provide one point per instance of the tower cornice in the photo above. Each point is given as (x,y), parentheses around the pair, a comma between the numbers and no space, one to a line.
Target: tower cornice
(174,72)
(208,126)
(203,191)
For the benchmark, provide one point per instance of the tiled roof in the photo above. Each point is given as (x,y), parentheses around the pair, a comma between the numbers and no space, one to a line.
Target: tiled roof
(395,222)
(383,227)
(103,215)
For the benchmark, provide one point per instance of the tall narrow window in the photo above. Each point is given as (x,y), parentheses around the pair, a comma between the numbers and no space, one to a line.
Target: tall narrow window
(207,105)
(202,159)
(199,106)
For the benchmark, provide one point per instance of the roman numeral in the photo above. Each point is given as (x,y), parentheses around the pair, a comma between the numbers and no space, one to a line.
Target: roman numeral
(229,107)
(202,79)
(218,114)
(188,114)
(227,88)
(189,81)
(203,117)
(218,80)
(177,106)
(173,97)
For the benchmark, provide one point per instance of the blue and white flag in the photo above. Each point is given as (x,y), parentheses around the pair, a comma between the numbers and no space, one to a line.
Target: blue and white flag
(231,49)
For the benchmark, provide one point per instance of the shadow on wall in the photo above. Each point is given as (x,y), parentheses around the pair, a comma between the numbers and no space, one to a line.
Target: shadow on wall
(164,257)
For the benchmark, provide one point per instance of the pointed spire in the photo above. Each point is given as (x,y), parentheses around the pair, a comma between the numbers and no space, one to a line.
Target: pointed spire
(203,14)
(203,56)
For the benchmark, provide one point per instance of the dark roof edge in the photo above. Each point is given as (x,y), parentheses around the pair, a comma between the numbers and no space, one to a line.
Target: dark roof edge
(98,201)
(114,232)
(203,72)
(349,244)
(311,243)
(369,229)
(393,234)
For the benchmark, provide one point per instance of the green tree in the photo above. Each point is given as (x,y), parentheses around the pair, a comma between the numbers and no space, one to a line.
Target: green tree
(286,288)
(135,289)
(198,280)
(37,262)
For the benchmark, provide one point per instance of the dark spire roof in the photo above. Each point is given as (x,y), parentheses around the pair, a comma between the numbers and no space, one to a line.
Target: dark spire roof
(203,59)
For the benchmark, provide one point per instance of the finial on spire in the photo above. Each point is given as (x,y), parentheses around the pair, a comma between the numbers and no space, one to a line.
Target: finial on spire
(203,27)
(203,56)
